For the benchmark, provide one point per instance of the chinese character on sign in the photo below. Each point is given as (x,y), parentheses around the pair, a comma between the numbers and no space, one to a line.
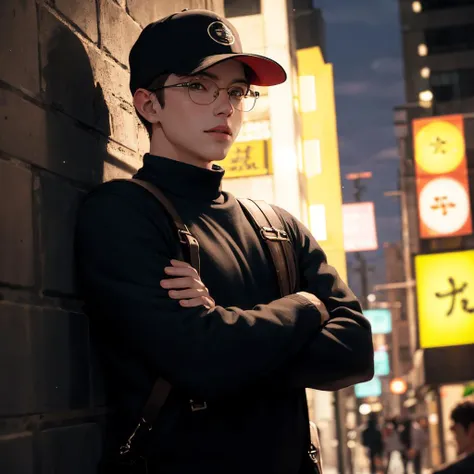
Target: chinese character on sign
(439,146)
(441,203)
(453,293)
(242,160)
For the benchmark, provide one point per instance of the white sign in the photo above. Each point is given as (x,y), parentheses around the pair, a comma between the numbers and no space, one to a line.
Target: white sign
(360,232)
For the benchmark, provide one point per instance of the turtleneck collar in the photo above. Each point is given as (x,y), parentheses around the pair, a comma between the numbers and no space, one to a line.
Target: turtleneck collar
(182,179)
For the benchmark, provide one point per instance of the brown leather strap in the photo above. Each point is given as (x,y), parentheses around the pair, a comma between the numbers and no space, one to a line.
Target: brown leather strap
(190,243)
(162,388)
(269,226)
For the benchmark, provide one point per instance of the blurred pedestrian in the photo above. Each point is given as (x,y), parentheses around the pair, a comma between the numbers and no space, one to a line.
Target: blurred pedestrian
(463,429)
(372,440)
(413,439)
(392,443)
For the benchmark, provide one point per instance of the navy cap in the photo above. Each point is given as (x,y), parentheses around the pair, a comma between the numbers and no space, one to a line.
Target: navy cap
(188,42)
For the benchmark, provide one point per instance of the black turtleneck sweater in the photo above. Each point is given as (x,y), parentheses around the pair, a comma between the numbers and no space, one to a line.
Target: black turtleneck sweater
(250,357)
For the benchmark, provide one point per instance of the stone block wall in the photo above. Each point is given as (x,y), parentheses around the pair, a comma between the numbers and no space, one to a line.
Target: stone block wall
(66,124)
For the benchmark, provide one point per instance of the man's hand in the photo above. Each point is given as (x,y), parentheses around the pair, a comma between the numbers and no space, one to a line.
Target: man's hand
(186,286)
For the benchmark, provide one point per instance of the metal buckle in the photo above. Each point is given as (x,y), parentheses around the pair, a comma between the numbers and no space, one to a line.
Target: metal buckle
(314,453)
(197,406)
(270,233)
(183,234)
(128,445)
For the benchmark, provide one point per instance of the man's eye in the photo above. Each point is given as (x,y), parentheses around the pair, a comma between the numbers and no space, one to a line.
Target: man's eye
(238,92)
(197,86)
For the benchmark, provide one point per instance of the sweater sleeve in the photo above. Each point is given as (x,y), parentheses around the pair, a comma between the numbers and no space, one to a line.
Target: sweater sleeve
(121,254)
(341,354)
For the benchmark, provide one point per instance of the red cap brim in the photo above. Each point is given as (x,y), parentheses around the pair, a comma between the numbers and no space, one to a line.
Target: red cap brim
(267,72)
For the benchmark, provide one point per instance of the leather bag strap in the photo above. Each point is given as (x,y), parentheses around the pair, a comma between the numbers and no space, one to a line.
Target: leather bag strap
(269,227)
(187,240)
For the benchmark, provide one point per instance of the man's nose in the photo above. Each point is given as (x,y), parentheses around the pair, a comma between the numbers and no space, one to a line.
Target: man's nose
(223,103)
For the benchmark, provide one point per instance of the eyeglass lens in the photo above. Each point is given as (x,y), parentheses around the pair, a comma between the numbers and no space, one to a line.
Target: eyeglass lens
(203,91)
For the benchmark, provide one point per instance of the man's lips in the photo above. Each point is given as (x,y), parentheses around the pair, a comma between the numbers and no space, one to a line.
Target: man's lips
(220,129)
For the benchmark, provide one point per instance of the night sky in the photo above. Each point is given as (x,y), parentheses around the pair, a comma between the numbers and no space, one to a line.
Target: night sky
(363,43)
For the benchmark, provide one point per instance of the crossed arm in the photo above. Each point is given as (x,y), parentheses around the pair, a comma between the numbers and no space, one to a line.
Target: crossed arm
(210,350)
(341,354)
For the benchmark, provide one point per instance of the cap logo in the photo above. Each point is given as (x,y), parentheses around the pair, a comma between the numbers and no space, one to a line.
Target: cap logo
(220,33)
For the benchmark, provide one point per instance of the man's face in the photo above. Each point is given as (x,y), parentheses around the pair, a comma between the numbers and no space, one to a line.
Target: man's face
(464,438)
(184,129)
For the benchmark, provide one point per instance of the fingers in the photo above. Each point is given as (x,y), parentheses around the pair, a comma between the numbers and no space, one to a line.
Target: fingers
(188,293)
(205,301)
(179,268)
(186,286)
(186,282)
(179,263)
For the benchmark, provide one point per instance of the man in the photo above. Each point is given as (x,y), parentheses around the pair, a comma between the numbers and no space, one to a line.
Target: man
(463,429)
(413,438)
(372,440)
(249,355)
(393,447)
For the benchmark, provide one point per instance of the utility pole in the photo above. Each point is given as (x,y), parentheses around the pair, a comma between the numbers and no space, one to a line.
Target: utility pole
(362,267)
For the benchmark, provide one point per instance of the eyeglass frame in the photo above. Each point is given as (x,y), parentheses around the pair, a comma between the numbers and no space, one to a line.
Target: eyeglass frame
(254,94)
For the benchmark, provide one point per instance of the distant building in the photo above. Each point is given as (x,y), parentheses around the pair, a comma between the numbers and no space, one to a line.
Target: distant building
(438,59)
(438,52)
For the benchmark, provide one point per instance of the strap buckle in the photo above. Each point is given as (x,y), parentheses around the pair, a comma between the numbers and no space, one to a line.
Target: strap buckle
(271,233)
(185,236)
(314,453)
(197,406)
(142,424)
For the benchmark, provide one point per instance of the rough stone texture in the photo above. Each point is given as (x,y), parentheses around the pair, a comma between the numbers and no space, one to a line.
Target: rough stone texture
(62,361)
(50,140)
(17,393)
(71,450)
(112,78)
(143,140)
(82,13)
(123,124)
(216,6)
(118,30)
(24,139)
(59,202)
(16,454)
(66,124)
(147,12)
(67,81)
(73,151)
(19,45)
(121,163)
(16,237)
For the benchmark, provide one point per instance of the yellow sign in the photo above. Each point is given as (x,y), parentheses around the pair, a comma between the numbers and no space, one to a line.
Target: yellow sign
(439,147)
(445,290)
(246,159)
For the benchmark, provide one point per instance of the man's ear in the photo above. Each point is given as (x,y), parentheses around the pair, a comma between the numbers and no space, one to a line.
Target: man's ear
(147,105)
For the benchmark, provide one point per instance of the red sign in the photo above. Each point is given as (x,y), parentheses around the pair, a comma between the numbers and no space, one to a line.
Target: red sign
(441,177)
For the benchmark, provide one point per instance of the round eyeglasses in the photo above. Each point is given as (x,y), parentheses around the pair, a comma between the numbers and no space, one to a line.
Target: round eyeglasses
(204,91)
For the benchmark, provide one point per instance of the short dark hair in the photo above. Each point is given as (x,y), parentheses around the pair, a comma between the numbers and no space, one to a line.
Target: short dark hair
(463,413)
(157,83)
